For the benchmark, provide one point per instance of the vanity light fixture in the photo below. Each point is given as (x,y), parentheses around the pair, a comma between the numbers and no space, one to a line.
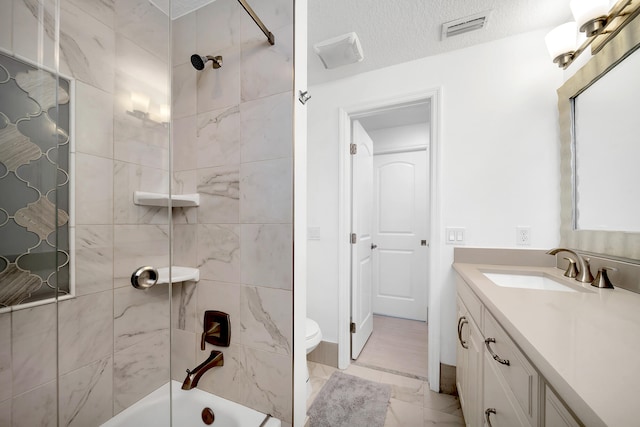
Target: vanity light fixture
(597,20)
(139,103)
(591,15)
(140,109)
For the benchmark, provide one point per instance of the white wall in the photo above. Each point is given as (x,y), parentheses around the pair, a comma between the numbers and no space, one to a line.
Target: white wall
(499,148)
(400,137)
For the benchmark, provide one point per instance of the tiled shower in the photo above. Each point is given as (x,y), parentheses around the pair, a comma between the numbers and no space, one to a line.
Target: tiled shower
(87,356)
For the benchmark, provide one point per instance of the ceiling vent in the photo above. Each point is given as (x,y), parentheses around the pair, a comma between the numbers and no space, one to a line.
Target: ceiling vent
(464,25)
(339,51)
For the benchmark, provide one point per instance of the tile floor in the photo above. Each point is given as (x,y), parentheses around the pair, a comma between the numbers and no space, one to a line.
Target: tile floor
(397,346)
(412,403)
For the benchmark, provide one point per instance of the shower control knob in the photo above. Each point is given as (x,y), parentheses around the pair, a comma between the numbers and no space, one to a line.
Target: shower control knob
(144,277)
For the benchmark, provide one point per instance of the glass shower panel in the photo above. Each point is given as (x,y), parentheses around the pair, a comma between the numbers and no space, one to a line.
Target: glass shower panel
(141,163)
(84,125)
(35,210)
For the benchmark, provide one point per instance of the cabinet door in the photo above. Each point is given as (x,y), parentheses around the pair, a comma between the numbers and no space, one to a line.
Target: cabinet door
(462,355)
(555,413)
(474,376)
(469,367)
(500,409)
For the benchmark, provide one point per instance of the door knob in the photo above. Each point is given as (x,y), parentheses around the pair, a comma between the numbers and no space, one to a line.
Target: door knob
(424,243)
(373,246)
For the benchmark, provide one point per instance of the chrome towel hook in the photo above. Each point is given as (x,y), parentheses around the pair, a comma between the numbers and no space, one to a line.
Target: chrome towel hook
(303,97)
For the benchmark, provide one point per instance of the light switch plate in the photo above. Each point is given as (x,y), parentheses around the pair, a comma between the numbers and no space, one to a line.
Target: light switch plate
(313,233)
(454,235)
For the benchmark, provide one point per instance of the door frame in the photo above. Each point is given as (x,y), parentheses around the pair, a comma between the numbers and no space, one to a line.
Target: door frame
(345,116)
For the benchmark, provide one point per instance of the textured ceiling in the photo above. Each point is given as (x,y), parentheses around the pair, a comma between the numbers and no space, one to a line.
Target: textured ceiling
(396,31)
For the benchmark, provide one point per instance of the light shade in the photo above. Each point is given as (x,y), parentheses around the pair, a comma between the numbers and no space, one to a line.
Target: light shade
(587,10)
(562,40)
(338,51)
(139,102)
(165,113)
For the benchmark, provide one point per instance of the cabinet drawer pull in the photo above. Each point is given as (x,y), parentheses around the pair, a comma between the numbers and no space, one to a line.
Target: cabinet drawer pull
(495,356)
(487,415)
(461,322)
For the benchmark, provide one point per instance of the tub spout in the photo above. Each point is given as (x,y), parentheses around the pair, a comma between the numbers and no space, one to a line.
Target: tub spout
(215,359)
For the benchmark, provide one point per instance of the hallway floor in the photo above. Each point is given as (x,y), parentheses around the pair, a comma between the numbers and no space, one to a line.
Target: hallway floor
(397,346)
(412,403)
(396,354)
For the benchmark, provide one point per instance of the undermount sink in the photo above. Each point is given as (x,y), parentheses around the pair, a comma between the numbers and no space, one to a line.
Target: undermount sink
(528,281)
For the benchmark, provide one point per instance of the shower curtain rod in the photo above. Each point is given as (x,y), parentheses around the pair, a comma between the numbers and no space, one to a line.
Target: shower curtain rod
(252,14)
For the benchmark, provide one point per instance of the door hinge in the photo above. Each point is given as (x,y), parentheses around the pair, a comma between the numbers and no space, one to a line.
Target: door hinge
(354,238)
(353,328)
(353,148)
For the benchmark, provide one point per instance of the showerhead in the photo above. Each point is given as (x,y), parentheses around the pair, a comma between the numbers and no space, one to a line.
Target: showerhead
(199,61)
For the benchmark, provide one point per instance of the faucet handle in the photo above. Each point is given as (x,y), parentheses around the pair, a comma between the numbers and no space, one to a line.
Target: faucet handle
(585,276)
(572,269)
(602,278)
(212,331)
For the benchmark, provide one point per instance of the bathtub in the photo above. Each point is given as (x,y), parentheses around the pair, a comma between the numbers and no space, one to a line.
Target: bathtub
(153,410)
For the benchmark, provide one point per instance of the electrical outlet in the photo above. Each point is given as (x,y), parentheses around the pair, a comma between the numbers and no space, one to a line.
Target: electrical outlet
(523,236)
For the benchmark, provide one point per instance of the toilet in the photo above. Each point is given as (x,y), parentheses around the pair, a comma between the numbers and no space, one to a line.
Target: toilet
(313,336)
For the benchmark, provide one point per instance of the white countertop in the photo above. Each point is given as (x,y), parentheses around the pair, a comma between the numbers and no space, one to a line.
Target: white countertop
(585,344)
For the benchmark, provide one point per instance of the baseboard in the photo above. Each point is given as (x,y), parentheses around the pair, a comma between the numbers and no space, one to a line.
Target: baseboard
(448,379)
(326,353)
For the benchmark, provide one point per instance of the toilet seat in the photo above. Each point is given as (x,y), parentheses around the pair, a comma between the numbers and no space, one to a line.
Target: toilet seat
(313,335)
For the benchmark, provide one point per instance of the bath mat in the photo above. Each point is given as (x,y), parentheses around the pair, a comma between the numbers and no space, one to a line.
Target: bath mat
(348,401)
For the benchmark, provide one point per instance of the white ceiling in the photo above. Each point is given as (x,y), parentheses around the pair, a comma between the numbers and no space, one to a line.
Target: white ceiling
(396,31)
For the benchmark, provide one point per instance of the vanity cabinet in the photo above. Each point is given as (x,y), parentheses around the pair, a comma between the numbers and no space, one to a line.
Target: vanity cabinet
(497,384)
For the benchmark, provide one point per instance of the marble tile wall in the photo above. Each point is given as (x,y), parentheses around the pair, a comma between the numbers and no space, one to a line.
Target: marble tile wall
(233,134)
(112,343)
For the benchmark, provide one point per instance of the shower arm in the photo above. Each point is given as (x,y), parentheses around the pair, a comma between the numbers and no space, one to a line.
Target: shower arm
(252,14)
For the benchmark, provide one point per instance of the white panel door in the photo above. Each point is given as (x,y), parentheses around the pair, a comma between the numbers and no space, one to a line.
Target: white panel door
(361,225)
(401,235)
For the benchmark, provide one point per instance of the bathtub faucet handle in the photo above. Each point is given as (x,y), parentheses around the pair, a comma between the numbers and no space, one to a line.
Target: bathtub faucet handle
(212,331)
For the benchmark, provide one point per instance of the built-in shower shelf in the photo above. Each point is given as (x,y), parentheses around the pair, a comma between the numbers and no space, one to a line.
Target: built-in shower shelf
(162,199)
(178,274)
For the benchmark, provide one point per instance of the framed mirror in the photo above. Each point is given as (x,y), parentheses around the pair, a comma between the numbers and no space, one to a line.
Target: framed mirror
(599,133)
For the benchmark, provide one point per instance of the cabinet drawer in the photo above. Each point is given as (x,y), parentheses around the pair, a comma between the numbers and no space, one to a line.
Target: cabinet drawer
(470,300)
(500,409)
(516,370)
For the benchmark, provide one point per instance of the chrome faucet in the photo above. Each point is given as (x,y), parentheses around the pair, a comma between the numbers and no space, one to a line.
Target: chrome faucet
(584,272)
(215,359)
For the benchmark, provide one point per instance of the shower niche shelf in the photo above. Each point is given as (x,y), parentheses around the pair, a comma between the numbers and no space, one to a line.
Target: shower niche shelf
(180,274)
(145,198)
